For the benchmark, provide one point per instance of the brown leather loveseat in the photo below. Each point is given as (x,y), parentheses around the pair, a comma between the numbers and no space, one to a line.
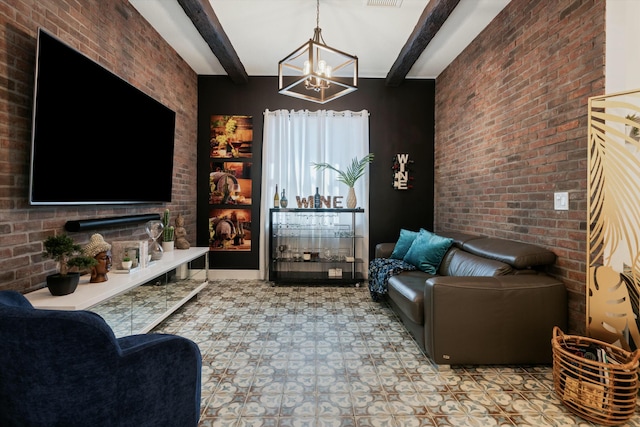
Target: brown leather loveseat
(487,304)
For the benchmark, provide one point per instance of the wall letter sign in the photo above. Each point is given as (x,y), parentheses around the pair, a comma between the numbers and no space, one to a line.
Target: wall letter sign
(401,172)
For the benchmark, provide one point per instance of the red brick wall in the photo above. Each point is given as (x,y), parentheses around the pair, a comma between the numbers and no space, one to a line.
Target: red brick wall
(511,129)
(114,34)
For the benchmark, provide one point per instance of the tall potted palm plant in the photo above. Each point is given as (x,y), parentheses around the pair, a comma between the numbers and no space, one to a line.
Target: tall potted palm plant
(349,176)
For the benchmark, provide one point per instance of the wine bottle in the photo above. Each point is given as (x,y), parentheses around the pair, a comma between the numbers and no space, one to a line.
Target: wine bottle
(276,198)
(316,200)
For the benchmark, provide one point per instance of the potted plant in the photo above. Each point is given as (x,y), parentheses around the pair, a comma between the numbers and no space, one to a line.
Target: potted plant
(167,233)
(126,262)
(67,254)
(354,171)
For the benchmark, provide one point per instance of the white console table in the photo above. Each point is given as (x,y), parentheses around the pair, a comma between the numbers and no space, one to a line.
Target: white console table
(135,302)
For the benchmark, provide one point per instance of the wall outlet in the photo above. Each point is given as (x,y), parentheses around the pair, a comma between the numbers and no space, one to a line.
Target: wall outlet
(561,201)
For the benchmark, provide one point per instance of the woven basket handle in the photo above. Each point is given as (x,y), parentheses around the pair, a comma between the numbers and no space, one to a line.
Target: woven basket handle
(635,356)
(557,332)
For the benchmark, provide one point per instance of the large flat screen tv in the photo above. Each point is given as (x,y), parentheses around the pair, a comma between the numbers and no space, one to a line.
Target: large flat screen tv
(96,139)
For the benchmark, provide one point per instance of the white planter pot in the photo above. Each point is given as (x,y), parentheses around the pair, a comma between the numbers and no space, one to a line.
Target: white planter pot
(167,246)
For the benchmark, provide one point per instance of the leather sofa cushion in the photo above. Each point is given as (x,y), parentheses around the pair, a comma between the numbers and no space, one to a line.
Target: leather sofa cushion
(517,254)
(459,238)
(407,291)
(460,263)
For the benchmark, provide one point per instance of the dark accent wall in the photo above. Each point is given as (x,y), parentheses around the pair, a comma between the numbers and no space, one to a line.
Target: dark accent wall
(401,121)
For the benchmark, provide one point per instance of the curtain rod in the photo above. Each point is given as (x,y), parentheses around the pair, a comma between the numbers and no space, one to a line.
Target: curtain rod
(319,112)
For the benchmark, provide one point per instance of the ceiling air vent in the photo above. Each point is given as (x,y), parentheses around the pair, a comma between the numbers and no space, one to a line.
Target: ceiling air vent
(387,3)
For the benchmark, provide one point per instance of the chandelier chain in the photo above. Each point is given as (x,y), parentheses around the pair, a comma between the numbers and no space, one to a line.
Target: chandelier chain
(317,33)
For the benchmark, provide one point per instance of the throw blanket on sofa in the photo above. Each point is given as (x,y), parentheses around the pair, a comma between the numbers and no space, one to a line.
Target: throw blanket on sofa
(380,270)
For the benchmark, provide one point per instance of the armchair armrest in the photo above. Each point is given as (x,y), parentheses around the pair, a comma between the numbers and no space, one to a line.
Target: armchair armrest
(159,380)
(501,319)
(14,299)
(384,250)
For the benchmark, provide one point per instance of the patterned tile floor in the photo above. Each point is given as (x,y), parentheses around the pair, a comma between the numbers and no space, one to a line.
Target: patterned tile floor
(329,356)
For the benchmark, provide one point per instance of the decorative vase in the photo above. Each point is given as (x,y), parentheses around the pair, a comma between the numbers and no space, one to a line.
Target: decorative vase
(167,246)
(352,201)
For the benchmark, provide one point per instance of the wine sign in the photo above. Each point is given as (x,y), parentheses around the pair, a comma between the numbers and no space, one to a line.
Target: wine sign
(328,202)
(401,172)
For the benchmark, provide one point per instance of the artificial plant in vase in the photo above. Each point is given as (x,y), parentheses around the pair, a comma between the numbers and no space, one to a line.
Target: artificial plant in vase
(67,254)
(127,262)
(168,230)
(353,172)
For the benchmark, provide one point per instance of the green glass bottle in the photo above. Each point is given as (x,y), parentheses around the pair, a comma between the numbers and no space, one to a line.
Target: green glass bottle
(276,198)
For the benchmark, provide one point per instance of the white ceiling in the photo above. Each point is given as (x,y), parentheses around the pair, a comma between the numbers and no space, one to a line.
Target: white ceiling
(265,31)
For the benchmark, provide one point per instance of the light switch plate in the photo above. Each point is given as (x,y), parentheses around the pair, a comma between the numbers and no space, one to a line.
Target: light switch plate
(561,201)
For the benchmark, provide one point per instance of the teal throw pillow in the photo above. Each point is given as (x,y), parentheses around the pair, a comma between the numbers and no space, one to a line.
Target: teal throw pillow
(404,243)
(427,250)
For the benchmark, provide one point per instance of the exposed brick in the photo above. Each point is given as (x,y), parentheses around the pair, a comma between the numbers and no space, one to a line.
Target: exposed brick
(114,34)
(530,72)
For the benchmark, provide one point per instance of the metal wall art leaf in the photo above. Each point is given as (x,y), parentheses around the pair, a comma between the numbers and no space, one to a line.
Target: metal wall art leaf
(613,234)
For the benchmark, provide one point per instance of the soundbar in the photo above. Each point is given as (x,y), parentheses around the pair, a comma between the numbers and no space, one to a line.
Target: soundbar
(92,224)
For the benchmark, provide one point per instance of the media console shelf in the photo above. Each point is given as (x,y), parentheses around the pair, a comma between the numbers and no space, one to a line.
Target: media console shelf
(135,302)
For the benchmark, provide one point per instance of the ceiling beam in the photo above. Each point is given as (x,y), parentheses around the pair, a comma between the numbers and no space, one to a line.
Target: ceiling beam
(434,15)
(206,22)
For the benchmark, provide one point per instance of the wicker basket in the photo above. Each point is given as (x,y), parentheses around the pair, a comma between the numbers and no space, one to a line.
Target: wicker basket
(595,380)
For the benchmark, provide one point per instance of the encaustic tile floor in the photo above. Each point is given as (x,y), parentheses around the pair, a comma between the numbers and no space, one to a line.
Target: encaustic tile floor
(330,356)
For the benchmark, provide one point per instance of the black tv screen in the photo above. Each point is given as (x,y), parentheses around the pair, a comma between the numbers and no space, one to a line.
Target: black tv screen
(96,139)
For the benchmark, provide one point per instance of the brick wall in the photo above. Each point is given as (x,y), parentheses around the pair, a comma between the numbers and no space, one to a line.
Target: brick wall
(114,34)
(511,129)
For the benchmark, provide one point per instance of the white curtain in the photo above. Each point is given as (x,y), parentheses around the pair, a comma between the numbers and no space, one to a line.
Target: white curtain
(292,142)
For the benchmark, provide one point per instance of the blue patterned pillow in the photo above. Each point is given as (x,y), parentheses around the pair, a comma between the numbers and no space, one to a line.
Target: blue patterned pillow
(427,250)
(404,243)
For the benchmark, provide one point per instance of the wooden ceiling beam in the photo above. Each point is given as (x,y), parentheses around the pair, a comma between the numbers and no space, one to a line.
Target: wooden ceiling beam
(206,22)
(434,15)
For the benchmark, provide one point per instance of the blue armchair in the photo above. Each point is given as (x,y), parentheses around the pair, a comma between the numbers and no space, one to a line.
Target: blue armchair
(66,368)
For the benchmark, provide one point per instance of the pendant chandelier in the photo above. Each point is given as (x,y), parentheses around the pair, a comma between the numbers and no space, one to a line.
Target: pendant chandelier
(317,72)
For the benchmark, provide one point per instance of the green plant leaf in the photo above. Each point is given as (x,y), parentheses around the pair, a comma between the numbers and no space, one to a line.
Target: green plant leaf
(353,172)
